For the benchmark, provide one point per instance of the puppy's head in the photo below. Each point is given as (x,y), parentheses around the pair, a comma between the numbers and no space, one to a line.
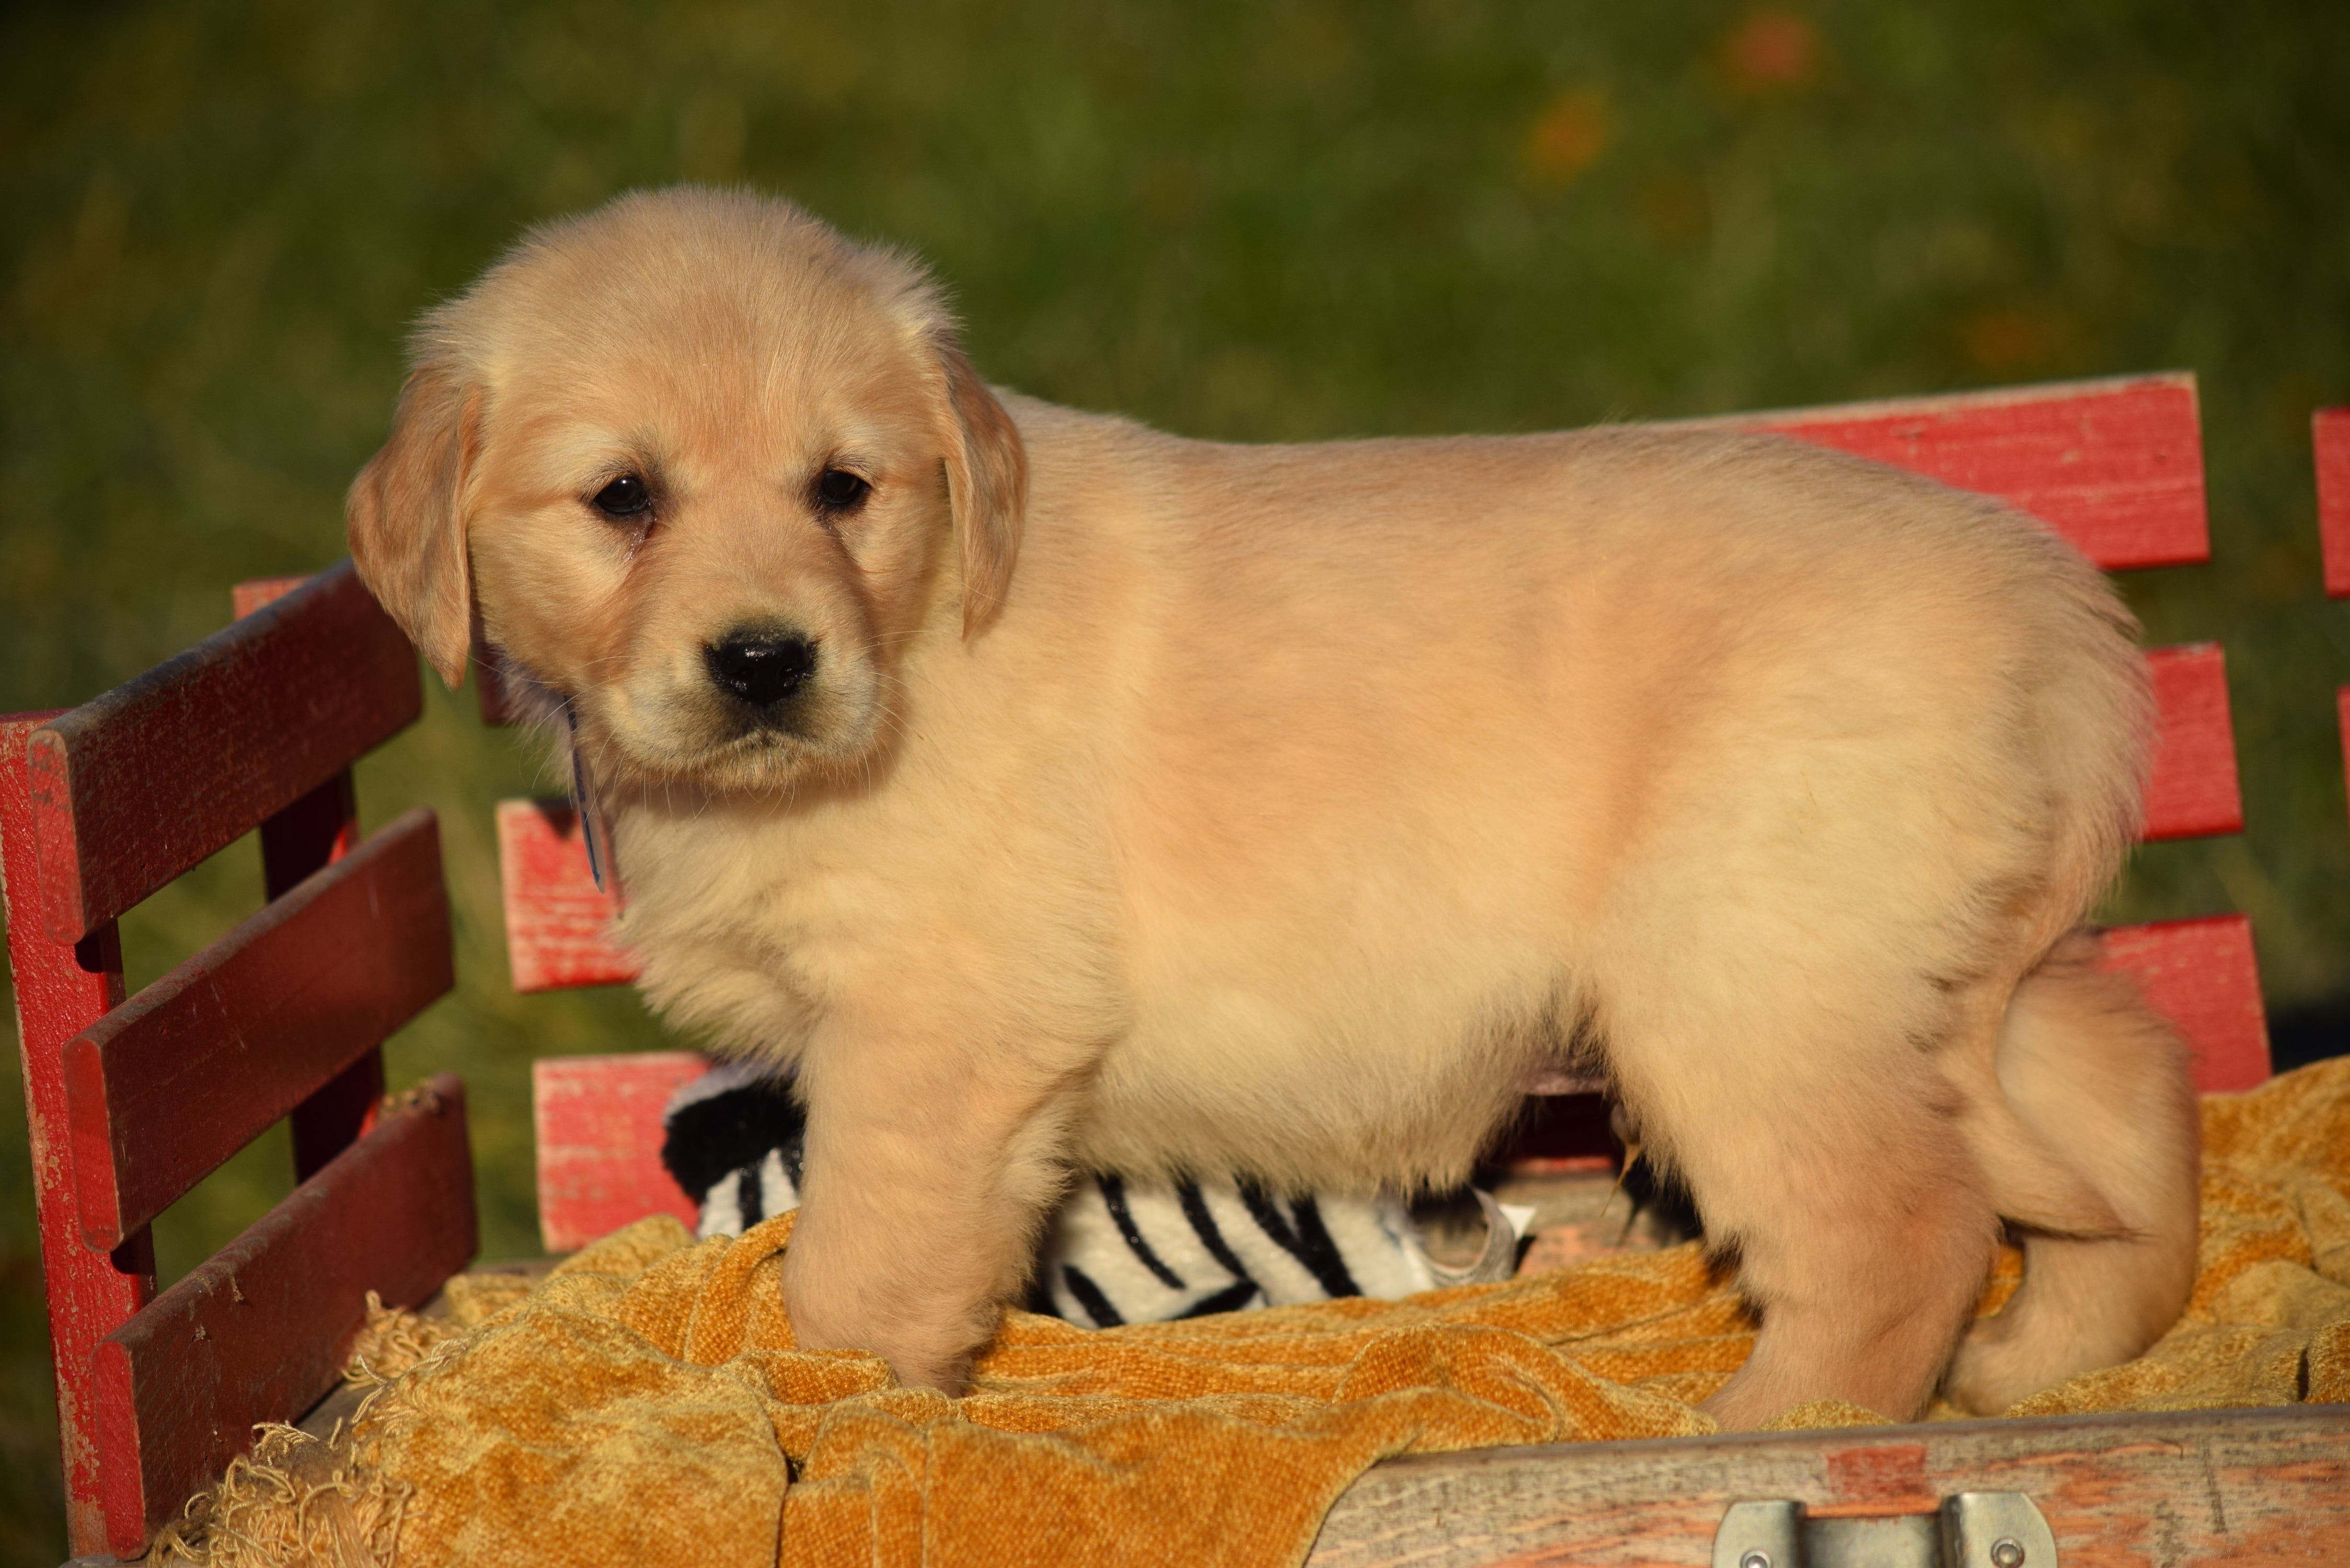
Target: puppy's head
(701,466)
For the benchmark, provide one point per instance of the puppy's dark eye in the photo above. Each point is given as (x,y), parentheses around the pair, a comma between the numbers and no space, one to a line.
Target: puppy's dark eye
(837,490)
(627,496)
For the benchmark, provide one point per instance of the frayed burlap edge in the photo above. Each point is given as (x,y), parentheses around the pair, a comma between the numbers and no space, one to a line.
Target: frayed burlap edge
(299,1498)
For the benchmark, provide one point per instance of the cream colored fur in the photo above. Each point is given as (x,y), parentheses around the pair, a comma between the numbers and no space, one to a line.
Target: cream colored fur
(1160,804)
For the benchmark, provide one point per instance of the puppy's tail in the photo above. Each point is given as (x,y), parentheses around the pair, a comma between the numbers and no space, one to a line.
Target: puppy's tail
(2085,1067)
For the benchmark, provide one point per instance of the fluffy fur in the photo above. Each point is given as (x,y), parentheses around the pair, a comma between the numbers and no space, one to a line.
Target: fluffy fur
(1161,805)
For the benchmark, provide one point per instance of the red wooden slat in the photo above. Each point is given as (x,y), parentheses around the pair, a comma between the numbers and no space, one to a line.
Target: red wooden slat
(60,989)
(2329,431)
(316,830)
(168,1086)
(2202,975)
(260,1331)
(556,919)
(598,1123)
(489,688)
(2116,466)
(134,787)
(255,592)
(2193,792)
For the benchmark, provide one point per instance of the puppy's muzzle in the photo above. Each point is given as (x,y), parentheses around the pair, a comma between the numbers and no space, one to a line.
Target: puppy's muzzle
(761,670)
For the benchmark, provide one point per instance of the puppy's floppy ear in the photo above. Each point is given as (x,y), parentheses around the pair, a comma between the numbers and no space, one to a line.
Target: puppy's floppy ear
(405,514)
(987,485)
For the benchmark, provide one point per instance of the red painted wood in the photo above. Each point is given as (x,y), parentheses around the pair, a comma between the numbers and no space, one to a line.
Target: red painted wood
(60,990)
(489,687)
(2329,431)
(2202,975)
(134,787)
(254,592)
(2342,719)
(2114,466)
(260,1331)
(598,1123)
(316,830)
(558,921)
(168,1086)
(2193,793)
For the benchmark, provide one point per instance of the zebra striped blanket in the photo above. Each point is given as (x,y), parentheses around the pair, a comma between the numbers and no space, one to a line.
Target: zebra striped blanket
(1117,1251)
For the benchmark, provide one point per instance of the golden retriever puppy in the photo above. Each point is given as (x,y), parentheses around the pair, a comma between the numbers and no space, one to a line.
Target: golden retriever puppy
(1051,792)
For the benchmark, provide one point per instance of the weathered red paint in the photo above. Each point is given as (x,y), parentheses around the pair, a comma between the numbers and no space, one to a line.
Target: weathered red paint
(316,830)
(164,1088)
(2116,466)
(598,1124)
(130,1103)
(136,787)
(260,1332)
(559,922)
(61,989)
(2203,976)
(2193,793)
(2329,431)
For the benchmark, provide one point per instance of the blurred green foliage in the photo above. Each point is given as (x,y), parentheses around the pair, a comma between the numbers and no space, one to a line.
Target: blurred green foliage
(1272,220)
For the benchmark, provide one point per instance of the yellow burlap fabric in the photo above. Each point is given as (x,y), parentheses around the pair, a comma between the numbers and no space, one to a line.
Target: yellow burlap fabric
(646,1405)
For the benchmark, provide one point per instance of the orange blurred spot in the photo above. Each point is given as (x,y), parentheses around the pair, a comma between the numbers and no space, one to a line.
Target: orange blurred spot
(1567,137)
(1673,210)
(1771,52)
(2007,338)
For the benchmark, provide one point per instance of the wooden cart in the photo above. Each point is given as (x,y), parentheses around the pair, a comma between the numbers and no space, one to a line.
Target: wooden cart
(133,1100)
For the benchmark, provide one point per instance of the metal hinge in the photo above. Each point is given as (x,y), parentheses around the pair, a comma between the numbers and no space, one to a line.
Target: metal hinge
(1972,1530)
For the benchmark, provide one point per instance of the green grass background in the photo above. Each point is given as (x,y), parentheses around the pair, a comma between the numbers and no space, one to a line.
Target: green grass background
(1274,220)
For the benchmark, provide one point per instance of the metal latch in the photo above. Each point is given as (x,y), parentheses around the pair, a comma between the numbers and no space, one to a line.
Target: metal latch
(1971,1530)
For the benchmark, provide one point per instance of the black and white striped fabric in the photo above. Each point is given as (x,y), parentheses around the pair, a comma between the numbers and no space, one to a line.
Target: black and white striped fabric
(732,1137)
(1116,1252)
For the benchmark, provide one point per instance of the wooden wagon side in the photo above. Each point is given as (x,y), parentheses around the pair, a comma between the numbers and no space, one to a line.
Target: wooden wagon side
(134,1099)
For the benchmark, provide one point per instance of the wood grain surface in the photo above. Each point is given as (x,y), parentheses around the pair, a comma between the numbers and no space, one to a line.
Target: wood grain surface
(199,1064)
(2193,791)
(2329,431)
(261,1330)
(137,786)
(2163,1490)
(2203,976)
(599,1125)
(2116,466)
(319,829)
(60,989)
(558,922)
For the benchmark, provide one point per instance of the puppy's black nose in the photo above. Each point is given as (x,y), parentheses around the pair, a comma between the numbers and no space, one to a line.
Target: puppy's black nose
(762,671)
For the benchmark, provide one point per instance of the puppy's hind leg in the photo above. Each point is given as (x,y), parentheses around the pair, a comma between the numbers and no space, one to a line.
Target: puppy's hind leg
(2095,1078)
(1820,1145)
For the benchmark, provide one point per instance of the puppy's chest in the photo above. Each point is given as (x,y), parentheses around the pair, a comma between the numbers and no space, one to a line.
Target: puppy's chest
(840,908)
